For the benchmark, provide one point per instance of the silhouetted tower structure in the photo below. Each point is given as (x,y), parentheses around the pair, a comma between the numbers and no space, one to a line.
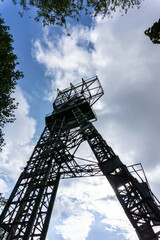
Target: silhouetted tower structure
(27,213)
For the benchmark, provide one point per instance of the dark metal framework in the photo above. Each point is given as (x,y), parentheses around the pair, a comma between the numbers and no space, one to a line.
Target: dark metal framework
(27,213)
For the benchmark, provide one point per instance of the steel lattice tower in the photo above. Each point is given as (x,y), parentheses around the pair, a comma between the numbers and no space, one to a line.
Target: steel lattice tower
(27,213)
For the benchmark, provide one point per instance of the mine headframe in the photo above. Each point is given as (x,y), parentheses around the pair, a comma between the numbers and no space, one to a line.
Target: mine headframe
(74,104)
(83,95)
(28,210)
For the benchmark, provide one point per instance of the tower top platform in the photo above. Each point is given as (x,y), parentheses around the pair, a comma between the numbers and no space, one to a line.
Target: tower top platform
(82,95)
(89,90)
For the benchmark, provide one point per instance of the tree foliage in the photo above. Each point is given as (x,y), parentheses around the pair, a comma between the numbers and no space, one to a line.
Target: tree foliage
(2,201)
(154,32)
(57,11)
(8,78)
(107,7)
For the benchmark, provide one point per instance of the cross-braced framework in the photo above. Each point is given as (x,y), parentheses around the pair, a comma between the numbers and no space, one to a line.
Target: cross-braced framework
(27,213)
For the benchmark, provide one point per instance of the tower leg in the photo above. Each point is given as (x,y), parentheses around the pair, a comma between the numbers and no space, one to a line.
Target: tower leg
(27,210)
(49,210)
(135,199)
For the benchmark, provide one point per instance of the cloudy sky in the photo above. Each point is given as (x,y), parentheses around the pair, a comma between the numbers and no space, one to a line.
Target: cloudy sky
(128,66)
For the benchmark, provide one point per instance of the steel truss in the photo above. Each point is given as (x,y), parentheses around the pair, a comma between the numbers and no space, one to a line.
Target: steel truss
(27,213)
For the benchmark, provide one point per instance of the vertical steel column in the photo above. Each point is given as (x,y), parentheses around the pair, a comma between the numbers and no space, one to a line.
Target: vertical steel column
(50,208)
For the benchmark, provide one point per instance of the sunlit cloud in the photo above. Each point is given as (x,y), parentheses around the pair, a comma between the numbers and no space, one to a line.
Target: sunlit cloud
(76,226)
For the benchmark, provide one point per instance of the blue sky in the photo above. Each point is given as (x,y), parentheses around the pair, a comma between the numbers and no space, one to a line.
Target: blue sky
(127,64)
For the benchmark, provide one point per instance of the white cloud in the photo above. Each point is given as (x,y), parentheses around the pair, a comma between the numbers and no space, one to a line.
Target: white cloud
(4,186)
(18,138)
(76,226)
(66,58)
